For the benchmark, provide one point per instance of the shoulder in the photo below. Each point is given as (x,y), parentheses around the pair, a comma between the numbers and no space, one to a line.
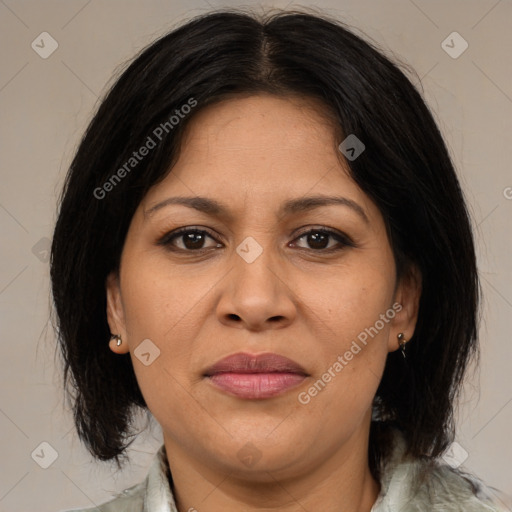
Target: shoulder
(151,495)
(431,486)
(435,486)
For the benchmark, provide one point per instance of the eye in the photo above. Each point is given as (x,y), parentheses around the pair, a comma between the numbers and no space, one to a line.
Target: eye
(319,240)
(187,239)
(193,240)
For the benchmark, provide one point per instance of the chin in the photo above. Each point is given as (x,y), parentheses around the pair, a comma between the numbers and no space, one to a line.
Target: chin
(256,455)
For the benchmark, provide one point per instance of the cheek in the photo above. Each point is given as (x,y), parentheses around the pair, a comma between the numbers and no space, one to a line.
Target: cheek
(159,302)
(352,354)
(160,308)
(351,297)
(354,314)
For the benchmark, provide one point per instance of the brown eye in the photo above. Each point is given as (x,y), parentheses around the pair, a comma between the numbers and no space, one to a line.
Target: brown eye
(188,240)
(319,239)
(194,240)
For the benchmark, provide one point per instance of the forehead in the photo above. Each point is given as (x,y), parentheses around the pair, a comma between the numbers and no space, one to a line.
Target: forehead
(277,121)
(258,151)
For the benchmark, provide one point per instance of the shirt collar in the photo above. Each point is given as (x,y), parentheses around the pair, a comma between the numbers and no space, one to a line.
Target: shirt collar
(158,496)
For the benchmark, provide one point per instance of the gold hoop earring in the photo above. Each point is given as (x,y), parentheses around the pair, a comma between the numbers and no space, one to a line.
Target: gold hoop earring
(401,342)
(118,338)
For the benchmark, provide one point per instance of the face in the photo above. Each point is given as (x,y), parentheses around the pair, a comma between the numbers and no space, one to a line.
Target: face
(257,269)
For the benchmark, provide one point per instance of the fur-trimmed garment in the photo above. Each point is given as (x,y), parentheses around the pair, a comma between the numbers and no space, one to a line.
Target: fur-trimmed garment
(407,485)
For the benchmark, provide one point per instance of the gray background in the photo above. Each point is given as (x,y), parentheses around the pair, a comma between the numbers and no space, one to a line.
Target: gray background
(45,105)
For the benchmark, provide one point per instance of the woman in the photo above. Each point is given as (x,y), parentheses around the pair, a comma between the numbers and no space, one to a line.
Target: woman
(262,241)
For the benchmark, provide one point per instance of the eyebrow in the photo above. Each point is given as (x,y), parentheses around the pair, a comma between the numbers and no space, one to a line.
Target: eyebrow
(215,208)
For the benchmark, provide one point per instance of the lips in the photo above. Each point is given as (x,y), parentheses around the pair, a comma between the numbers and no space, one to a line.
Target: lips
(262,363)
(255,376)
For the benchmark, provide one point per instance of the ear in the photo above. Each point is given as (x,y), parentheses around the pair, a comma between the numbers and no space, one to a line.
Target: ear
(406,306)
(115,313)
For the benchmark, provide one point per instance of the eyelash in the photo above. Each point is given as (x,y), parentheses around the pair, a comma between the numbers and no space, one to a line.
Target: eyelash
(343,240)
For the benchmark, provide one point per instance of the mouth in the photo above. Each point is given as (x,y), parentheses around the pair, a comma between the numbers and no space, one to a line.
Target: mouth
(255,377)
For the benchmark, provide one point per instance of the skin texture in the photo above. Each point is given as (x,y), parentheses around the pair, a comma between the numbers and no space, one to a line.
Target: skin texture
(298,298)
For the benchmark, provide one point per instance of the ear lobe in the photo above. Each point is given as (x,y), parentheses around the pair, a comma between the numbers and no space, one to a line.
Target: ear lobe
(115,312)
(408,295)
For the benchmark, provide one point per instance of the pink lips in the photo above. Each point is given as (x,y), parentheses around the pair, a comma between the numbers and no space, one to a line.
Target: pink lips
(255,377)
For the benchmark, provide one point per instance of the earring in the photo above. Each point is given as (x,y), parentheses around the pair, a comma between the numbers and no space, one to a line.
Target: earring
(118,338)
(401,342)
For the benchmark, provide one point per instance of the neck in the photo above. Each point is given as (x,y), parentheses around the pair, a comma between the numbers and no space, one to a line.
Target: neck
(343,480)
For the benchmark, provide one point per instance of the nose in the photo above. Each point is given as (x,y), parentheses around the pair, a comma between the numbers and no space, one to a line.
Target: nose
(257,296)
